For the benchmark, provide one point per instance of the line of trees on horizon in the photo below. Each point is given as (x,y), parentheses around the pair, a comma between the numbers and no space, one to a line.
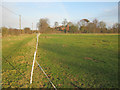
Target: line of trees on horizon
(11,31)
(82,26)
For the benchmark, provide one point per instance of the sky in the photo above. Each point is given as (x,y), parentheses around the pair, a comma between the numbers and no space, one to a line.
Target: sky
(31,12)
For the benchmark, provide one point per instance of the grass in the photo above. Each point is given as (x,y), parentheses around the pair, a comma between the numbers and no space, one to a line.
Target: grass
(69,60)
(80,60)
(17,56)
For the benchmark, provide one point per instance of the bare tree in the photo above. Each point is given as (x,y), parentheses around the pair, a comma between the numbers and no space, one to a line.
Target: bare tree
(91,28)
(116,28)
(56,24)
(95,21)
(70,23)
(64,22)
(27,30)
(95,26)
(73,28)
(84,22)
(102,27)
(115,25)
(102,24)
(43,24)
(79,25)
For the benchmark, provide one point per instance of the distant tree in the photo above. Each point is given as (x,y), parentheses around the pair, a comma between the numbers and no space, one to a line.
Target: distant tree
(116,28)
(115,25)
(95,21)
(82,25)
(43,24)
(70,23)
(102,27)
(37,26)
(27,30)
(22,32)
(64,22)
(102,24)
(79,23)
(91,28)
(95,26)
(84,22)
(73,29)
(4,31)
(12,31)
(56,24)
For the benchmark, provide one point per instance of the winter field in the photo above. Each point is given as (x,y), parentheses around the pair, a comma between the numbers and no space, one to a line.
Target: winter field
(69,60)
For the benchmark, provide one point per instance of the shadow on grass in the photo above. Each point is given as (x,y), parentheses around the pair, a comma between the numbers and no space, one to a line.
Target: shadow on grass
(74,59)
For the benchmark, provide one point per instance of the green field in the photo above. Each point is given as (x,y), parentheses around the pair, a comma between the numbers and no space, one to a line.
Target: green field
(70,60)
(17,57)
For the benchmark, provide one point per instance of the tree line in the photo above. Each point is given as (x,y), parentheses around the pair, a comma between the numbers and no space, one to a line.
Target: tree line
(82,26)
(11,31)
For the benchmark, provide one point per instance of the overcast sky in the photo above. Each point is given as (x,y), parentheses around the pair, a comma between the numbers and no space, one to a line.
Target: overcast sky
(31,12)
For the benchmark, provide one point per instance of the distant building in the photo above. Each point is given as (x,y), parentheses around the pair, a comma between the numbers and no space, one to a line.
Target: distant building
(63,28)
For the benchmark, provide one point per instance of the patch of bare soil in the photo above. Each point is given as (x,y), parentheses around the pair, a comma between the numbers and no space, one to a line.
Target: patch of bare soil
(89,58)
(64,45)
